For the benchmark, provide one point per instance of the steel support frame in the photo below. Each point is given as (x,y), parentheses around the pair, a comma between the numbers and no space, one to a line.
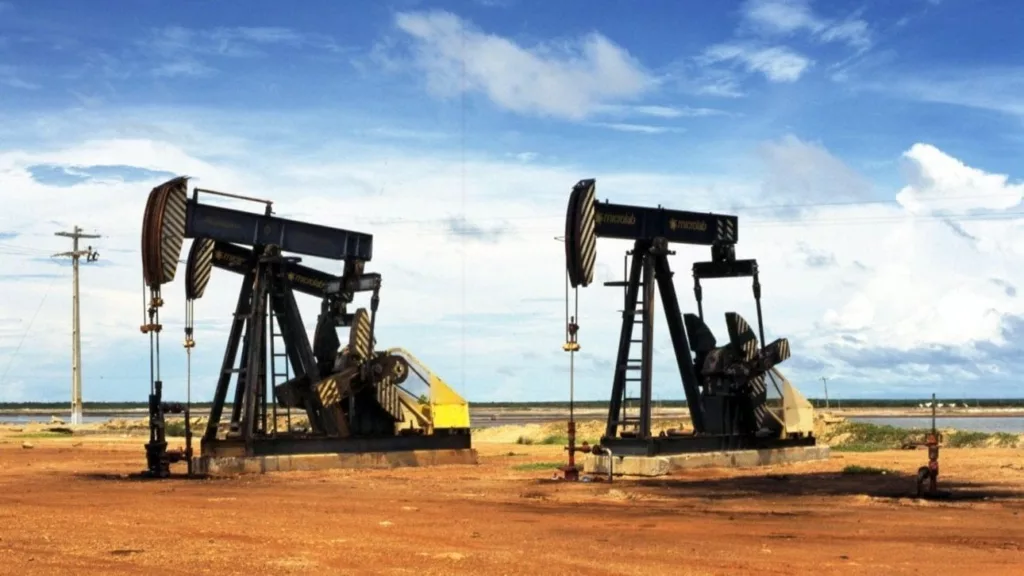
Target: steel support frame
(649,266)
(266,281)
(649,261)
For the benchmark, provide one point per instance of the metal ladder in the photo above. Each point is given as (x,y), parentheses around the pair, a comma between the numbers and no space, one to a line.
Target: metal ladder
(629,415)
(238,372)
(629,411)
(277,378)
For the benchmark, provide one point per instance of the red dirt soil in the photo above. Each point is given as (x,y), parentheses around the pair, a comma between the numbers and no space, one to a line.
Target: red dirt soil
(70,507)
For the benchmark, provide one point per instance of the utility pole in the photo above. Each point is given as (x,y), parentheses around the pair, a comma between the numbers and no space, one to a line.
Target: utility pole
(824,382)
(76,328)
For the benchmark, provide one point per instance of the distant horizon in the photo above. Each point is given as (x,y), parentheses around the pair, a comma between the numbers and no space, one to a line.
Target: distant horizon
(861,402)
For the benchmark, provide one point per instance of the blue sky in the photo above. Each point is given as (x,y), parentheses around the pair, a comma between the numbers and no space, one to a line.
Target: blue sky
(871,150)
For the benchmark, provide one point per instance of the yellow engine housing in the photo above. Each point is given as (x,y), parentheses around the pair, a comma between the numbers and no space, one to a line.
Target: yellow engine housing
(444,407)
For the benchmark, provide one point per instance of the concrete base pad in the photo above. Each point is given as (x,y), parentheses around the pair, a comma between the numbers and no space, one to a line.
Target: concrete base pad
(231,466)
(668,463)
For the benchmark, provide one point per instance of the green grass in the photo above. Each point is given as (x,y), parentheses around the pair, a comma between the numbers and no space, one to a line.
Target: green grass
(966,439)
(1006,439)
(534,466)
(863,437)
(176,428)
(557,439)
(554,440)
(857,447)
(867,471)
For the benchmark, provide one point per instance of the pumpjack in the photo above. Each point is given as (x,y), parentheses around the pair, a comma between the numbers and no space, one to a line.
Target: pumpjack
(352,396)
(736,396)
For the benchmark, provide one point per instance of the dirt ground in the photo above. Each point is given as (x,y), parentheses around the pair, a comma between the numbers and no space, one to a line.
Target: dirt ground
(70,506)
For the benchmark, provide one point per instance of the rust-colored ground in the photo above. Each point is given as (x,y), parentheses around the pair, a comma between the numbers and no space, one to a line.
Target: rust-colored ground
(68,507)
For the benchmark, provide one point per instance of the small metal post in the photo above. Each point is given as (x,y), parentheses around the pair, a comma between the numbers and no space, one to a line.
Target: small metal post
(757,303)
(571,471)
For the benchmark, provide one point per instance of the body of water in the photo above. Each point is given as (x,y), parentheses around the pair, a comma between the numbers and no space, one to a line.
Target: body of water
(45,418)
(1010,424)
(992,424)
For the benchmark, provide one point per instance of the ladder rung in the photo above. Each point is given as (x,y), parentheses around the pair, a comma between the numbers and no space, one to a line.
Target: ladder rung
(636,341)
(233,371)
(635,312)
(632,399)
(280,354)
(633,379)
(632,367)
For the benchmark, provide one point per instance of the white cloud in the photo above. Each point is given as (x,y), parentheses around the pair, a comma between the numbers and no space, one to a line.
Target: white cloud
(799,171)
(525,156)
(569,80)
(659,111)
(9,76)
(184,67)
(776,63)
(939,183)
(785,17)
(182,51)
(999,89)
(840,279)
(638,128)
(782,16)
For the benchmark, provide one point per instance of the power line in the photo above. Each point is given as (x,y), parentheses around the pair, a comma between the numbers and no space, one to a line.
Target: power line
(76,330)
(753,223)
(28,329)
(759,223)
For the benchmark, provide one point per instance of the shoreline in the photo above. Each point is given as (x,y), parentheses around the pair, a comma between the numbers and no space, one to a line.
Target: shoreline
(540,415)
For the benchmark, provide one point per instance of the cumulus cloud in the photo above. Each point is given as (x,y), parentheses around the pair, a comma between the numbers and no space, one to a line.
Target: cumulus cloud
(568,80)
(939,183)
(473,276)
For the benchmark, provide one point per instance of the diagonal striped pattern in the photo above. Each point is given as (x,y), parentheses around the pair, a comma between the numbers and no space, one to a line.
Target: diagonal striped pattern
(387,398)
(742,337)
(587,237)
(327,391)
(580,234)
(726,230)
(198,268)
(758,394)
(172,233)
(359,345)
(163,231)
